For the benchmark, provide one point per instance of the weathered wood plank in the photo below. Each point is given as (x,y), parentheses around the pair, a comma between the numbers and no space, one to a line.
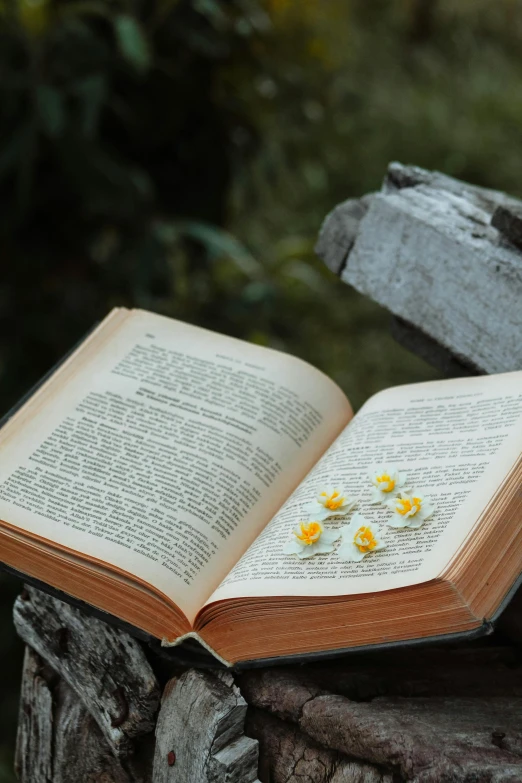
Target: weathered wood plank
(104,666)
(80,750)
(424,740)
(425,248)
(34,741)
(419,738)
(200,732)
(292,757)
(339,231)
(403,673)
(508,221)
(58,741)
(430,350)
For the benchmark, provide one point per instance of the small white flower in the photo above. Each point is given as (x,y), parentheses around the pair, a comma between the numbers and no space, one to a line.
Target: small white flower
(331,503)
(387,481)
(410,510)
(309,539)
(360,538)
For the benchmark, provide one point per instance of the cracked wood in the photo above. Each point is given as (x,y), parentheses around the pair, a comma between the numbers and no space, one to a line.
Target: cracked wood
(200,732)
(441,255)
(104,666)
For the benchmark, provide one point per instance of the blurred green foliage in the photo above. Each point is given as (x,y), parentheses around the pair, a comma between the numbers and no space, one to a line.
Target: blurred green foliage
(180,155)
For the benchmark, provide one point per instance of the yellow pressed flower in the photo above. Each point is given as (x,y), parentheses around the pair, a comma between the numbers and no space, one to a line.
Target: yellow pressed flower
(331,502)
(359,538)
(309,533)
(309,539)
(410,510)
(387,481)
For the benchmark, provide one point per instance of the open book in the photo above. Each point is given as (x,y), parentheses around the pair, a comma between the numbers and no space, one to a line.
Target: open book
(160,471)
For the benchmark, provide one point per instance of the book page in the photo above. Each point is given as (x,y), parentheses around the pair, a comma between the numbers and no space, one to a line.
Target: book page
(455,441)
(166,451)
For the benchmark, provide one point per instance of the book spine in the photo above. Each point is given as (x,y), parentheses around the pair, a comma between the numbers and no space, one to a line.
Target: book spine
(196,637)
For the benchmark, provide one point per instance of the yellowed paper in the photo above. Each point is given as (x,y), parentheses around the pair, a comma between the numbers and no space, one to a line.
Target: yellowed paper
(166,450)
(454,440)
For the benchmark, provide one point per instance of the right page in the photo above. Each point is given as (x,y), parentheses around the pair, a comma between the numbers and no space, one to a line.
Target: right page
(454,440)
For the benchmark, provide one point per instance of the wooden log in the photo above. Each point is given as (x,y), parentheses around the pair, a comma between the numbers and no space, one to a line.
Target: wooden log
(104,666)
(200,732)
(474,671)
(339,231)
(34,741)
(508,220)
(420,244)
(430,350)
(80,750)
(58,741)
(421,738)
(292,757)
(426,740)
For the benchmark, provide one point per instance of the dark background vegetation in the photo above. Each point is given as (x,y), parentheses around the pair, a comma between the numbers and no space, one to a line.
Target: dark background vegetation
(180,155)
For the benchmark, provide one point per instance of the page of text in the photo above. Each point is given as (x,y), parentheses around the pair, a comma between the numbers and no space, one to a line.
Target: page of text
(167,452)
(454,440)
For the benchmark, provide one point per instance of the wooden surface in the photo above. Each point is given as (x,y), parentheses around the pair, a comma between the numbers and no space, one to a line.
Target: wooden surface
(90,708)
(58,740)
(34,760)
(201,722)
(441,255)
(104,666)
(422,715)
(448,715)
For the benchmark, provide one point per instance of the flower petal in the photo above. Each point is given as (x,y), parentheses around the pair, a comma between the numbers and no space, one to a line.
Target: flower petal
(313,507)
(350,553)
(376,496)
(323,547)
(338,512)
(306,551)
(292,548)
(415,522)
(329,536)
(358,519)
(322,513)
(398,521)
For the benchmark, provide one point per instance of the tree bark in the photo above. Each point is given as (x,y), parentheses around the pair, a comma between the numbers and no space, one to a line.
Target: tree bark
(447,715)
(290,756)
(58,741)
(104,666)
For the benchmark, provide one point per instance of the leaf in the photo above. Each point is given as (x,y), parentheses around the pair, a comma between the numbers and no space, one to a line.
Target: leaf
(213,11)
(257,292)
(132,42)
(92,92)
(219,244)
(50,110)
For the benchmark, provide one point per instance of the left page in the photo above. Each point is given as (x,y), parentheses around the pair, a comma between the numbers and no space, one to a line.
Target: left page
(165,451)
